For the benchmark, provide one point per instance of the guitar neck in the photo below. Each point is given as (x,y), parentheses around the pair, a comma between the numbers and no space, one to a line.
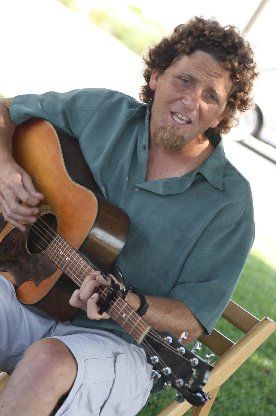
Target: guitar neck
(77,268)
(126,317)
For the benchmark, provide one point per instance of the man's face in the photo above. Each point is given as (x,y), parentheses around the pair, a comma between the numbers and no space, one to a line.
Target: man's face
(190,96)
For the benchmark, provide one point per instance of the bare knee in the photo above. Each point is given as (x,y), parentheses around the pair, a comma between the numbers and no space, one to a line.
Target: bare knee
(51,365)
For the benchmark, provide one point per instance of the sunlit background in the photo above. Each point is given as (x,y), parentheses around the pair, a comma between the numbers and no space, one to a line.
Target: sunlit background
(68,44)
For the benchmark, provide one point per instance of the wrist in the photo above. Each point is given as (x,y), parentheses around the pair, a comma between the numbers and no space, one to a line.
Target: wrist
(6,157)
(133,300)
(143,305)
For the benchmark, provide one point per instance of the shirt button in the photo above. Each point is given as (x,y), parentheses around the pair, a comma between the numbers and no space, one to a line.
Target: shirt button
(144,146)
(136,188)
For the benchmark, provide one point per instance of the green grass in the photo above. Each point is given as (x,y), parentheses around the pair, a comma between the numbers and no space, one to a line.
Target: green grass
(251,390)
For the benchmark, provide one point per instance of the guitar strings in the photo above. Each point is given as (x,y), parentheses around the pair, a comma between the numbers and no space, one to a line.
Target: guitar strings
(152,351)
(156,335)
(159,338)
(153,335)
(144,342)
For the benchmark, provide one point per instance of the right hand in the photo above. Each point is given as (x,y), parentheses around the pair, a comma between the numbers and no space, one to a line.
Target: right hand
(19,199)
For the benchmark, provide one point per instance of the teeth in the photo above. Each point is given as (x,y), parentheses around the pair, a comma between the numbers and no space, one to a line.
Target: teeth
(178,117)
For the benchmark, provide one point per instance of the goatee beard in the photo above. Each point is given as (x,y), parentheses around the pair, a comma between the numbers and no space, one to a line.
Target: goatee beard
(170,138)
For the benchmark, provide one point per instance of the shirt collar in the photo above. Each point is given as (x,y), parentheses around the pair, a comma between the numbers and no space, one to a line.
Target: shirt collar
(213,168)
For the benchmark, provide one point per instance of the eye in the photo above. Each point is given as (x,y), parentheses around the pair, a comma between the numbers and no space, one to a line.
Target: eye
(212,97)
(184,81)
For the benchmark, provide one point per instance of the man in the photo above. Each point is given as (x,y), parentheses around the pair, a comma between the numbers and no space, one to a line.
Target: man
(191,221)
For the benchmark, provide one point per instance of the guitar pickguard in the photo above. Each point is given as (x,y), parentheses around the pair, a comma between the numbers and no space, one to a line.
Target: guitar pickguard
(15,259)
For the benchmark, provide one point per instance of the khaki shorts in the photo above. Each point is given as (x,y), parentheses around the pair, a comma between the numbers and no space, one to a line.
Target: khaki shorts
(113,376)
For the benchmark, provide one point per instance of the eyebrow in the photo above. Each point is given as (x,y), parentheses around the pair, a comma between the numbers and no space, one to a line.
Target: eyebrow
(188,76)
(194,79)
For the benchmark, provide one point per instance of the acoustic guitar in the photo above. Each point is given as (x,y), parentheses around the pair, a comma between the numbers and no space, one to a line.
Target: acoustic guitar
(76,232)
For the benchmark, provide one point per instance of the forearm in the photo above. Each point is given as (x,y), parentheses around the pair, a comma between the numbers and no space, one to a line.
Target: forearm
(168,315)
(7,128)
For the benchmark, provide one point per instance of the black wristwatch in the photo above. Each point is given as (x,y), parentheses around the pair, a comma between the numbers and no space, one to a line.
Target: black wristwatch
(143,303)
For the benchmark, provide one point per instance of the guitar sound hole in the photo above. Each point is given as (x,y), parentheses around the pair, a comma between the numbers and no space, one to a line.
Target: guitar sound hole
(41,233)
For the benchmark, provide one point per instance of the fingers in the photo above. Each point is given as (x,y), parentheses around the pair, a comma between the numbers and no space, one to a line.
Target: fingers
(15,219)
(22,189)
(33,197)
(75,300)
(17,210)
(18,197)
(93,308)
(87,299)
(88,288)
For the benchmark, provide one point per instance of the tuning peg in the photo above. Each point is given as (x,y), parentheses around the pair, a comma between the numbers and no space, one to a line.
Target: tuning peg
(154,359)
(166,371)
(197,346)
(209,357)
(179,382)
(155,375)
(183,336)
(168,339)
(181,350)
(194,362)
(179,398)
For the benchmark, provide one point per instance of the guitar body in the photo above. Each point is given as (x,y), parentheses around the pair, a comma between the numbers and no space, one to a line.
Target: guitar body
(79,231)
(88,223)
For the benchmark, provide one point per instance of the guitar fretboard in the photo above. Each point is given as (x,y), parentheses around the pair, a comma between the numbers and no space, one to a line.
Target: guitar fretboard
(77,268)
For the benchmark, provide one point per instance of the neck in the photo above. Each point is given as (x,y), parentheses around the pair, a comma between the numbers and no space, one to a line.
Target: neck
(164,163)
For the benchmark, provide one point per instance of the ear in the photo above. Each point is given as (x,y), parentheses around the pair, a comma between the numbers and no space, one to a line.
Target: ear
(154,79)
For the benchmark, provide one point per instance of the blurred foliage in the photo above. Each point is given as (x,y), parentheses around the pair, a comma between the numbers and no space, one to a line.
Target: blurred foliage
(129,26)
(69,3)
(125,22)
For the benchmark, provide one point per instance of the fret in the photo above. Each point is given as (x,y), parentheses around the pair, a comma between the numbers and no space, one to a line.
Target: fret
(68,260)
(76,268)
(126,317)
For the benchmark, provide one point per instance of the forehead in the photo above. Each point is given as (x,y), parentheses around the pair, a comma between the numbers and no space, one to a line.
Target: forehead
(202,67)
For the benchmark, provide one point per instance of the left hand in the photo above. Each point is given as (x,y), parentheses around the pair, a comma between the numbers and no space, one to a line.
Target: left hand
(87,299)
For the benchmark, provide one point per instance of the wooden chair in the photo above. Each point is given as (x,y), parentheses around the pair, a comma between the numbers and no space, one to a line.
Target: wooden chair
(231,355)
(3,379)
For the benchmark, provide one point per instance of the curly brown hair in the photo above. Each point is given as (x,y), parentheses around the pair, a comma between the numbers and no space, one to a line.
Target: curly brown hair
(225,44)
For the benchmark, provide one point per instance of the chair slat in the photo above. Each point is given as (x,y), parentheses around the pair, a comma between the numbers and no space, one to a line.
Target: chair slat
(3,380)
(232,355)
(217,342)
(239,317)
(238,354)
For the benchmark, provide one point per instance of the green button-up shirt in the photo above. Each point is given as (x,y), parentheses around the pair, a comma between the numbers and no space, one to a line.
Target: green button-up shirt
(190,235)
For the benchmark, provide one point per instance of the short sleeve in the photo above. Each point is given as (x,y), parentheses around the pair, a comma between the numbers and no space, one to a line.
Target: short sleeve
(213,268)
(70,111)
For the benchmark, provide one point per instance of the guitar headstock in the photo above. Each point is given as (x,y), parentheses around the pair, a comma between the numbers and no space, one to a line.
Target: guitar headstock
(177,366)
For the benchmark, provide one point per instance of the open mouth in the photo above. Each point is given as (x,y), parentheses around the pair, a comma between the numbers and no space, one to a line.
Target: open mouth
(180,118)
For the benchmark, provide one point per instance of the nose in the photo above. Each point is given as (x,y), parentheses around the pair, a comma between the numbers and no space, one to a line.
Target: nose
(191,99)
